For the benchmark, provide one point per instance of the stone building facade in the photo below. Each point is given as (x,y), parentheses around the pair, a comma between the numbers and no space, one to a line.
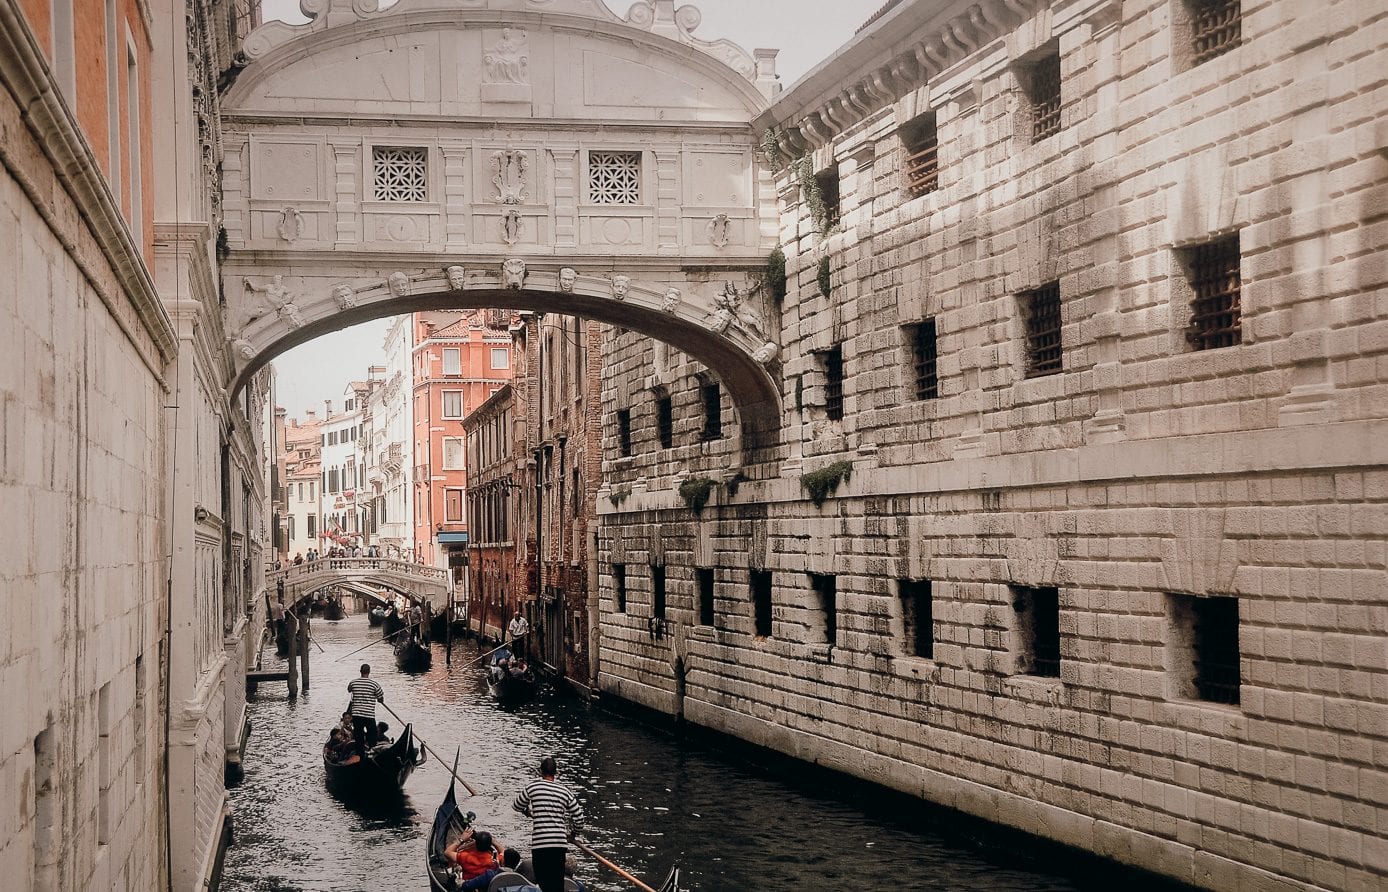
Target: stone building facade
(497,544)
(1077,521)
(301,450)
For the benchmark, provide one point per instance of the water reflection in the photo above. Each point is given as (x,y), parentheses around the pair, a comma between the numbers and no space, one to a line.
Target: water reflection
(649,798)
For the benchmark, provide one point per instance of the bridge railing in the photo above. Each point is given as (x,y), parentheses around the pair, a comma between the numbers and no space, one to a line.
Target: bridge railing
(364,565)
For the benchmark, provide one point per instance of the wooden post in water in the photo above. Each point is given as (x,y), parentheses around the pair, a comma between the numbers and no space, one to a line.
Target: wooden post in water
(304,649)
(291,630)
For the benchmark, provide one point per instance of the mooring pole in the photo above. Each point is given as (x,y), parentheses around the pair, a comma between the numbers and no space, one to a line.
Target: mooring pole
(291,632)
(304,650)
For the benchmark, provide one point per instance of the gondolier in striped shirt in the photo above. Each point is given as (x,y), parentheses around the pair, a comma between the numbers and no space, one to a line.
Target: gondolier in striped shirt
(554,814)
(365,692)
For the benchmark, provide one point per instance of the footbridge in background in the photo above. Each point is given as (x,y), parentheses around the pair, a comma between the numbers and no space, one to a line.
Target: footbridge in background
(415,581)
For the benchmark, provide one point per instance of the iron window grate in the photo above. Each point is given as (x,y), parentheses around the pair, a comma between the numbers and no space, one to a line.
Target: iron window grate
(1038,613)
(924,354)
(917,616)
(833,382)
(1214,309)
(921,143)
(1045,98)
(614,177)
(1041,309)
(399,174)
(1216,27)
(1216,644)
(829,191)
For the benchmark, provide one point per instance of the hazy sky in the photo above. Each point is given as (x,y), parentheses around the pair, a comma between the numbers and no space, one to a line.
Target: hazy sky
(805,31)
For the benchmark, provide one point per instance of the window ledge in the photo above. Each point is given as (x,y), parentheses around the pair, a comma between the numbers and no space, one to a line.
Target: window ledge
(917,667)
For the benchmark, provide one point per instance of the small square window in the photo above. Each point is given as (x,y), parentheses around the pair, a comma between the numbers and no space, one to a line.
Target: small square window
(1037,612)
(1203,648)
(452,360)
(1041,313)
(917,618)
(825,588)
(501,358)
(923,359)
(1216,27)
(619,586)
(452,404)
(831,361)
(657,591)
(760,584)
(1041,83)
(921,144)
(399,174)
(704,578)
(624,432)
(712,395)
(1212,271)
(453,459)
(614,177)
(665,420)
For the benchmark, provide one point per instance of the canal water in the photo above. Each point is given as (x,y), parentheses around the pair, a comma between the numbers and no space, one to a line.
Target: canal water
(650,798)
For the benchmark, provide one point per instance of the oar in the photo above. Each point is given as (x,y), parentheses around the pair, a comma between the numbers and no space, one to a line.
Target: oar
(487,654)
(615,868)
(377,641)
(453,771)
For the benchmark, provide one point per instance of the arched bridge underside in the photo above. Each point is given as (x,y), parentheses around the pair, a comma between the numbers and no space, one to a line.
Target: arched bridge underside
(704,325)
(414,581)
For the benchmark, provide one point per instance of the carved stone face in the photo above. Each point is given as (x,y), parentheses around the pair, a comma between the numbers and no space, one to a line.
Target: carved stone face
(243,348)
(566,280)
(456,277)
(766,353)
(513,273)
(399,284)
(620,286)
(672,300)
(344,296)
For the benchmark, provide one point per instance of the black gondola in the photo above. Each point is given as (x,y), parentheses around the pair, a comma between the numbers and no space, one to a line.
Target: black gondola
(411,655)
(375,616)
(506,684)
(333,610)
(449,824)
(391,623)
(383,768)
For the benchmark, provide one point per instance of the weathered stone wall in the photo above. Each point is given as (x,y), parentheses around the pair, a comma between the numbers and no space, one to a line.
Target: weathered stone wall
(1142,474)
(81,478)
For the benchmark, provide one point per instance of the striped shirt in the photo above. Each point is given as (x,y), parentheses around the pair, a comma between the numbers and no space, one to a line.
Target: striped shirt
(365,692)
(553,809)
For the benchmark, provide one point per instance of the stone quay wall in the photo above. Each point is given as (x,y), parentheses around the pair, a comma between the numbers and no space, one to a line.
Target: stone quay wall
(1180,507)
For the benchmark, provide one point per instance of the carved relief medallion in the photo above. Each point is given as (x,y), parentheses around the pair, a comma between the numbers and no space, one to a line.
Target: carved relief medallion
(510,169)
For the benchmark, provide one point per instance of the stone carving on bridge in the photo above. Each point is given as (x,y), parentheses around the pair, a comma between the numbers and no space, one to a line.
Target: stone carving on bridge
(507,61)
(291,225)
(567,277)
(620,286)
(511,168)
(399,284)
(671,302)
(510,226)
(719,230)
(243,348)
(345,297)
(457,278)
(766,353)
(733,310)
(279,298)
(513,274)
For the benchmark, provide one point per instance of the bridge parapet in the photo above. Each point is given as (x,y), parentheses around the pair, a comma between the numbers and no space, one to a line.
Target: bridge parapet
(415,581)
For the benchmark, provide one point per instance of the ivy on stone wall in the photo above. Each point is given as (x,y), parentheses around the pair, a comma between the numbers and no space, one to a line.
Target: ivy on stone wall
(824,280)
(695,492)
(812,195)
(771,148)
(776,274)
(735,481)
(822,483)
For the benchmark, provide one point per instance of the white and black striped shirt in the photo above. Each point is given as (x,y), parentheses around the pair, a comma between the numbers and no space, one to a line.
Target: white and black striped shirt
(552,808)
(365,692)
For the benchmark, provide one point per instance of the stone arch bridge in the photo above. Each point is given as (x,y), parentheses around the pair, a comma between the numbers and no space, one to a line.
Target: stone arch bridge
(415,581)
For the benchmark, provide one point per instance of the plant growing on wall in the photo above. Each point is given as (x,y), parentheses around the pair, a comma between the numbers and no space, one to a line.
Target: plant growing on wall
(812,194)
(618,496)
(776,274)
(695,492)
(822,483)
(771,148)
(824,280)
(735,481)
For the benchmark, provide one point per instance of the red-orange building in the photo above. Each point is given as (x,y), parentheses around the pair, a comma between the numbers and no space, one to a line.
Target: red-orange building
(460,359)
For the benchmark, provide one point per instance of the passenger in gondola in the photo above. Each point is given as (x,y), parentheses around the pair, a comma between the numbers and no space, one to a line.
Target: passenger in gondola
(340,748)
(478,859)
(383,739)
(509,877)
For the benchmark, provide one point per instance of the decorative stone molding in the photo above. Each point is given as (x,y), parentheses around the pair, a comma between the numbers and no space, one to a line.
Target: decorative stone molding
(279,298)
(567,277)
(671,303)
(345,297)
(513,273)
(291,225)
(620,286)
(456,276)
(510,167)
(718,231)
(399,284)
(510,226)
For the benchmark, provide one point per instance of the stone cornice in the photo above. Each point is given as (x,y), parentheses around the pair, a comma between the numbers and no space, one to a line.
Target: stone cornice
(897,54)
(26,74)
(244,118)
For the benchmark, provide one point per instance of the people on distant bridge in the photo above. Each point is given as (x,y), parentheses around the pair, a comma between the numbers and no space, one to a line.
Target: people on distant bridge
(298,558)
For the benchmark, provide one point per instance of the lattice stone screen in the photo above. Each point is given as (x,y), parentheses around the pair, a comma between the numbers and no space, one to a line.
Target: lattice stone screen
(614,177)
(399,174)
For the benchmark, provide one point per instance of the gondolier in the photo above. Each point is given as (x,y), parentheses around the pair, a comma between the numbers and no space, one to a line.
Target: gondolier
(516,631)
(554,814)
(365,693)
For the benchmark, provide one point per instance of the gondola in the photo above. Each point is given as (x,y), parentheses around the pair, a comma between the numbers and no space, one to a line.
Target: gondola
(411,655)
(450,822)
(333,611)
(391,623)
(506,685)
(375,616)
(384,768)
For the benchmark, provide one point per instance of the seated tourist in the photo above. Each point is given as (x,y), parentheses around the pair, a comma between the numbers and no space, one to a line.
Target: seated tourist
(381,735)
(526,869)
(509,877)
(476,859)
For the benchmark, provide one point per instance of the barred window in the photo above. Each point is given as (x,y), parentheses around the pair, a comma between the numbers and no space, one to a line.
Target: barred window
(921,167)
(712,395)
(1203,648)
(917,617)
(826,594)
(828,181)
(1215,27)
(624,432)
(399,173)
(665,420)
(1043,91)
(619,586)
(614,177)
(1213,272)
(1038,630)
(1041,311)
(832,362)
(923,359)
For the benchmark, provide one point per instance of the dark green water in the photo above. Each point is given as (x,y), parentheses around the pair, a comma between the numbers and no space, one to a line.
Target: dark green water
(649,797)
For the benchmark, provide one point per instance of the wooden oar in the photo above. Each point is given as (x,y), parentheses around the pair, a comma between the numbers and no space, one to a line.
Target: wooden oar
(453,771)
(377,641)
(615,868)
